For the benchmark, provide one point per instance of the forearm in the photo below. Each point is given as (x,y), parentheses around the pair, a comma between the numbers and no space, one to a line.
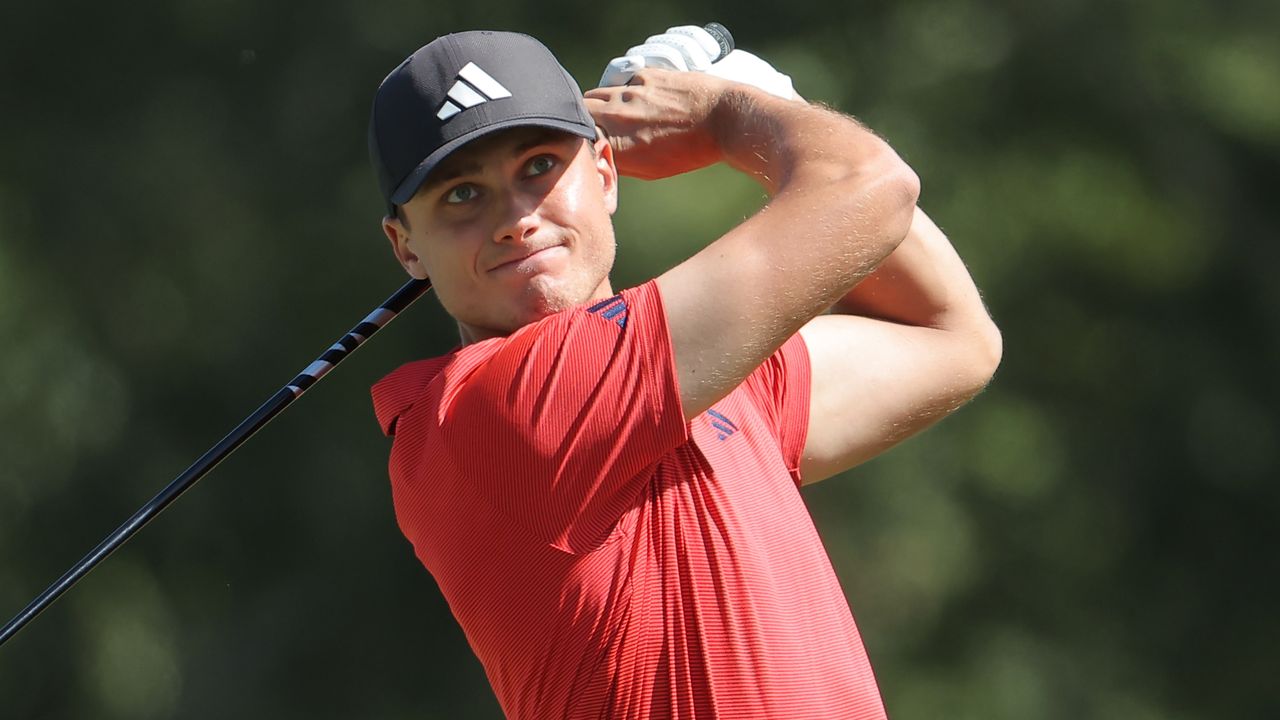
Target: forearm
(841,198)
(783,143)
(922,283)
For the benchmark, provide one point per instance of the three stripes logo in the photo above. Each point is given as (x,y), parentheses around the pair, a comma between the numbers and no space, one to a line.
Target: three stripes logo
(722,423)
(473,87)
(615,309)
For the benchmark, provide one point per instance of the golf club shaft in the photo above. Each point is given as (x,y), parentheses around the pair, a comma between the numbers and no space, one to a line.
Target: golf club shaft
(279,401)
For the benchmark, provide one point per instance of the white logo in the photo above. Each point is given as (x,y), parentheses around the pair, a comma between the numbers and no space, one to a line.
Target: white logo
(473,87)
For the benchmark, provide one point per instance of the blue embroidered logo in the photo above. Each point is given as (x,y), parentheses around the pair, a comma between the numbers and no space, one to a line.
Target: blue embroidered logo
(615,308)
(723,424)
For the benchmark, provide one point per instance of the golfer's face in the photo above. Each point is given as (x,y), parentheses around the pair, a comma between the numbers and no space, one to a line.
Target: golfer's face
(515,227)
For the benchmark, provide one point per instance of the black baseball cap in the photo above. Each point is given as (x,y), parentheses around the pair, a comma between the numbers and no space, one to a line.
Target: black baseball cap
(461,87)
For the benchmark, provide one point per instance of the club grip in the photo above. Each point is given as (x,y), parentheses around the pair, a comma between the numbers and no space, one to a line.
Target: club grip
(722,36)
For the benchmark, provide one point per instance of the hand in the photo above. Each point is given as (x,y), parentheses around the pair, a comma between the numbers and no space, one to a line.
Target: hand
(686,47)
(741,66)
(661,124)
(691,48)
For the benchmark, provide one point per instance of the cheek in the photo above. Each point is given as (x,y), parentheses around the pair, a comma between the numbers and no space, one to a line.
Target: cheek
(581,200)
(585,185)
(446,266)
(446,250)
(574,196)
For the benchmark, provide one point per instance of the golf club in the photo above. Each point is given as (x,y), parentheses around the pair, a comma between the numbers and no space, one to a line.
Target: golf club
(385,312)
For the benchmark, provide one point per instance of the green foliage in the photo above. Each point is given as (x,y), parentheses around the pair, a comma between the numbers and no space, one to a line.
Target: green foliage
(187,217)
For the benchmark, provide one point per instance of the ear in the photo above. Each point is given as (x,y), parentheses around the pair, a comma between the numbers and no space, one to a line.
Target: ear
(608,172)
(398,234)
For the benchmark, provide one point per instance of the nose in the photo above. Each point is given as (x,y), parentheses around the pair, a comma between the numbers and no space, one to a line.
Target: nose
(519,218)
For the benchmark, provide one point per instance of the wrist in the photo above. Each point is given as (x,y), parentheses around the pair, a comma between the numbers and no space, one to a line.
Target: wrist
(749,127)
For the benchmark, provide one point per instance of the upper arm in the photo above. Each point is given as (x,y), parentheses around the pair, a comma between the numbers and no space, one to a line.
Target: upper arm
(874,383)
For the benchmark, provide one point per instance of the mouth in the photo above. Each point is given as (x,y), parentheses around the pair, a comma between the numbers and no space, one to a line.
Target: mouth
(533,261)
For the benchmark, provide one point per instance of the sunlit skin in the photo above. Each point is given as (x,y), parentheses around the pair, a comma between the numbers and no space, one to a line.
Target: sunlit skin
(512,228)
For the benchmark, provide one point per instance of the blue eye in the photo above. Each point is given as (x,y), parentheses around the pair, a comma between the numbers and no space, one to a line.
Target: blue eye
(540,165)
(460,194)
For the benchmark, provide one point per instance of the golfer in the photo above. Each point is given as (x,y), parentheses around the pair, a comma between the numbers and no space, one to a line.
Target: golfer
(604,482)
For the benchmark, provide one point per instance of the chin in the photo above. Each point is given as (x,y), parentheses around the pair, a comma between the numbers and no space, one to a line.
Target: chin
(544,295)
(548,295)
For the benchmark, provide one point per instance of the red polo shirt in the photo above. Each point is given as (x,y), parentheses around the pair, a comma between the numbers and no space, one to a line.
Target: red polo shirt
(605,558)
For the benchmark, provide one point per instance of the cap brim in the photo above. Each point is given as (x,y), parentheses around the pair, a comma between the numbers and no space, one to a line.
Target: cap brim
(409,186)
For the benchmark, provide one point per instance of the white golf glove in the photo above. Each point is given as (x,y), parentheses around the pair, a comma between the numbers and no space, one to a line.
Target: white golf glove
(689,47)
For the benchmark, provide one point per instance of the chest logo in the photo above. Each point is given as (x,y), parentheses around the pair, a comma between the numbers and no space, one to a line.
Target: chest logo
(615,309)
(723,424)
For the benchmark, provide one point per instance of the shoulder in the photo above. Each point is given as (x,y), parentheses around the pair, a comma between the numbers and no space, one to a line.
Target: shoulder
(406,386)
(565,356)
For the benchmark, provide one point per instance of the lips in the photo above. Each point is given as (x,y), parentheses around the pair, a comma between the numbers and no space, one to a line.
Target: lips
(530,260)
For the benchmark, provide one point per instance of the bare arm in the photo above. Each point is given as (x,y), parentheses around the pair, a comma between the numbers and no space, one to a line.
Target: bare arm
(904,348)
(842,200)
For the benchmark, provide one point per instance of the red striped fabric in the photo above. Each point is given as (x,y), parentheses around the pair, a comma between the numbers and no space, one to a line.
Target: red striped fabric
(607,559)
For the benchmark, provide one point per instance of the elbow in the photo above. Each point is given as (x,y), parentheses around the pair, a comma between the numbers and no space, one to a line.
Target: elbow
(875,199)
(907,185)
(899,193)
(871,201)
(993,349)
(986,349)
(898,183)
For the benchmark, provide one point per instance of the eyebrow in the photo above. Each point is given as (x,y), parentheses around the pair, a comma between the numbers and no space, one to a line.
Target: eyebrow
(544,136)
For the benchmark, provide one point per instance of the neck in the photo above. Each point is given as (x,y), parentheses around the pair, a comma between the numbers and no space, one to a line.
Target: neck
(471,334)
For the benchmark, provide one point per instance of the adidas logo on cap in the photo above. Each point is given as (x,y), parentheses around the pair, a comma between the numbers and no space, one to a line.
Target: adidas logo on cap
(473,87)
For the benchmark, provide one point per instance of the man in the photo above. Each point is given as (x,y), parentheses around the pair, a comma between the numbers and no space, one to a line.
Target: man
(604,484)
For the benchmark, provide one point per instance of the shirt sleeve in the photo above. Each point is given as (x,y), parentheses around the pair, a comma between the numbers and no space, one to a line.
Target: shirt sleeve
(563,424)
(780,388)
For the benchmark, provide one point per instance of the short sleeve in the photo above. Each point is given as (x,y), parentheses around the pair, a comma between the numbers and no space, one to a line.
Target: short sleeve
(780,388)
(562,426)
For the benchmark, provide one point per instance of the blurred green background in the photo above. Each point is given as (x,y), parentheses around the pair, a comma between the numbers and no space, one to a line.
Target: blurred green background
(187,218)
